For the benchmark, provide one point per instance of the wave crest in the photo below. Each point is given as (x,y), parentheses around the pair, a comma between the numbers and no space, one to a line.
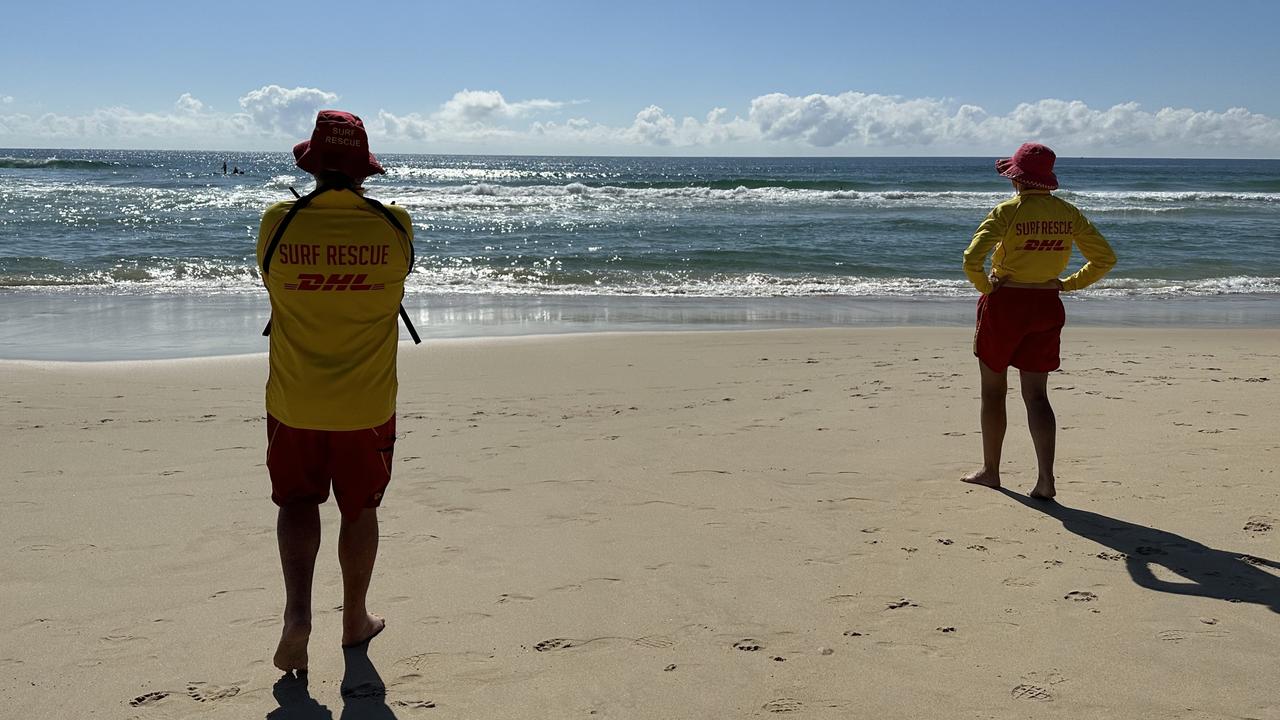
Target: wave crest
(54,163)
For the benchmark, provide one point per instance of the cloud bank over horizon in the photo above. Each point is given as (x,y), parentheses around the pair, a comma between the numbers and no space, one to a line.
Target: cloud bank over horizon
(849,123)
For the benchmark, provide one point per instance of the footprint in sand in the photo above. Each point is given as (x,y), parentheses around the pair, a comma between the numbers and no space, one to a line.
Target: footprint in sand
(901,604)
(1259,524)
(657,642)
(1111,556)
(783,705)
(150,698)
(414,704)
(1175,636)
(1031,692)
(748,645)
(203,692)
(553,644)
(1019,582)
(1080,596)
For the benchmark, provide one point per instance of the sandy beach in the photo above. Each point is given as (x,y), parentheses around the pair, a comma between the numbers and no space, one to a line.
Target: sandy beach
(678,525)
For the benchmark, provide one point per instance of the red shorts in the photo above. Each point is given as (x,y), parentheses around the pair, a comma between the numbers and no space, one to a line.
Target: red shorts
(302,464)
(1021,327)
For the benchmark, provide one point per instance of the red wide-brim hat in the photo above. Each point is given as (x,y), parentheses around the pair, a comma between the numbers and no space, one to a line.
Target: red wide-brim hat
(1031,165)
(340,144)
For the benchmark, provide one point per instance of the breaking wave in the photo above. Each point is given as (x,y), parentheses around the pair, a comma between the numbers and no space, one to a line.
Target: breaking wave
(55,164)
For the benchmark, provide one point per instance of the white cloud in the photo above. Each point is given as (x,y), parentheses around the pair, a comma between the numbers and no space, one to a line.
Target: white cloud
(6,99)
(189,105)
(479,106)
(286,111)
(268,114)
(867,124)
(110,124)
(849,123)
(849,119)
(470,116)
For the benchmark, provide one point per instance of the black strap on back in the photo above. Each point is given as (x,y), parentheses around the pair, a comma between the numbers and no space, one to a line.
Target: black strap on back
(395,222)
(306,200)
(298,204)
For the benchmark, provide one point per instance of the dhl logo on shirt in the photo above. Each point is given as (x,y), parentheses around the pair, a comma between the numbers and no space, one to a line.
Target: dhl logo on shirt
(334,282)
(1046,244)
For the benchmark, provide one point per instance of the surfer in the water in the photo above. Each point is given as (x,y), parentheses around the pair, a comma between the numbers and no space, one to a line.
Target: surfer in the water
(334,263)
(1020,316)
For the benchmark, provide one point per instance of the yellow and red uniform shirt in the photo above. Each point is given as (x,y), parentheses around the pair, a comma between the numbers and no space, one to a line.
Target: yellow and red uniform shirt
(336,281)
(1031,235)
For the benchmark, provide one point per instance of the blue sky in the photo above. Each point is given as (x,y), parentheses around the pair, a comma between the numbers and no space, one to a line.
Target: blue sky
(817,78)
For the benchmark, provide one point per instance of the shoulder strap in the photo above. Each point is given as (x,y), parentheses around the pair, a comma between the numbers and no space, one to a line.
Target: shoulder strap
(298,204)
(395,222)
(306,200)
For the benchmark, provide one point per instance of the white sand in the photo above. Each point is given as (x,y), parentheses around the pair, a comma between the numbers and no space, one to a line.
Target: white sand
(695,525)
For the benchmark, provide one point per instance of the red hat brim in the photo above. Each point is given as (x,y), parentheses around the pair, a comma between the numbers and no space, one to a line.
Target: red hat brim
(349,164)
(1009,169)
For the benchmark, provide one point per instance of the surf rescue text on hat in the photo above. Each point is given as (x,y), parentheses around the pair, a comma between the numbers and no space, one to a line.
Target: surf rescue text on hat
(344,136)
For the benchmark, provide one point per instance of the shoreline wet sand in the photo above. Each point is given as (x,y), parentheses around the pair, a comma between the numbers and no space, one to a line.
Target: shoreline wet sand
(98,326)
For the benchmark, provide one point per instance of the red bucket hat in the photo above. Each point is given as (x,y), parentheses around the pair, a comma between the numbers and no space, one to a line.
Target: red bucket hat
(339,143)
(1031,165)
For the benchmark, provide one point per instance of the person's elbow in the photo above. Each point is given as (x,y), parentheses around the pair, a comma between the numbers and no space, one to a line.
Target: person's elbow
(1106,261)
(974,261)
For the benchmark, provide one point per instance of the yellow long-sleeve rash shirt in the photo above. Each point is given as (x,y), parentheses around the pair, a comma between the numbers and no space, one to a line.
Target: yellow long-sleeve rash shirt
(336,281)
(1029,238)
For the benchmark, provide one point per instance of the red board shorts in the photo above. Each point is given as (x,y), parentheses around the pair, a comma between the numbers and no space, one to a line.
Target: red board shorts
(303,463)
(1021,327)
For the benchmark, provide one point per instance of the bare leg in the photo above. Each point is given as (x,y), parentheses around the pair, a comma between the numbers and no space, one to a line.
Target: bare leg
(298,535)
(1044,430)
(357,551)
(994,387)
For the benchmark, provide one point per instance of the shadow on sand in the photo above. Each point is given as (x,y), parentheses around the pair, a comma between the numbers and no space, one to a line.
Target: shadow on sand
(295,700)
(1210,573)
(364,695)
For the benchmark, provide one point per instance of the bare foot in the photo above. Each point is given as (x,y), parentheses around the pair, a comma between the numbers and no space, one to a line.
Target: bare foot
(1044,490)
(291,654)
(984,477)
(364,631)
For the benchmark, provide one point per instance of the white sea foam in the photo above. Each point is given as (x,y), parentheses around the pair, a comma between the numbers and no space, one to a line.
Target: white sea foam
(483,174)
(459,277)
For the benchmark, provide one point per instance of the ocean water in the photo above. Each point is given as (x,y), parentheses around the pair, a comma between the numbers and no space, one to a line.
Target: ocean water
(542,244)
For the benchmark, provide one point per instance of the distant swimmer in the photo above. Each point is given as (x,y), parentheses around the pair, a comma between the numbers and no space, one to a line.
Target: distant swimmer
(224,167)
(334,263)
(1020,316)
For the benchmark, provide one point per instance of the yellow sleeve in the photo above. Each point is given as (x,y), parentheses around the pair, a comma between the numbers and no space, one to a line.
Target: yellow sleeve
(988,235)
(270,219)
(1097,252)
(407,223)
